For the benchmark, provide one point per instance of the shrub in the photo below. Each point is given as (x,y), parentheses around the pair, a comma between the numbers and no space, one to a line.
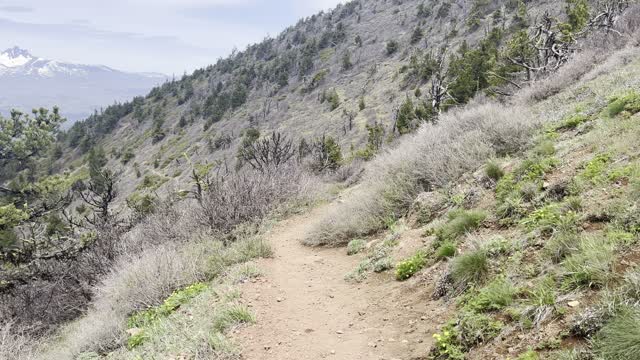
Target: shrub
(355,246)
(620,338)
(591,265)
(405,269)
(447,345)
(391,47)
(14,344)
(460,222)
(143,318)
(493,171)
(468,268)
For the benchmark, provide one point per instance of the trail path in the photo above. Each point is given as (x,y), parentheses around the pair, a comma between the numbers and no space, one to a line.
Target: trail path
(306,310)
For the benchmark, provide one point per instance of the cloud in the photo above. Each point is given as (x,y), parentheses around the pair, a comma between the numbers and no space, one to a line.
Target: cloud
(15,9)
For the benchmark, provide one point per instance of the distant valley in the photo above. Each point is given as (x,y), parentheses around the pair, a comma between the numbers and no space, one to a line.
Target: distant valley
(31,82)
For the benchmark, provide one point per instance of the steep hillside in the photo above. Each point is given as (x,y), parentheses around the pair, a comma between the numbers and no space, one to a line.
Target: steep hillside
(334,73)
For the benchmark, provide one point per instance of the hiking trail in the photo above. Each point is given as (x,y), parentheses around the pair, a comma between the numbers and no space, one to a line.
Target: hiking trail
(305,309)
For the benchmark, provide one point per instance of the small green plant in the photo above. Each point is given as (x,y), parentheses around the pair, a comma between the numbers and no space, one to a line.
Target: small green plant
(136,339)
(470,268)
(594,170)
(392,47)
(628,103)
(493,171)
(528,355)
(143,318)
(460,222)
(355,246)
(573,121)
(495,296)
(476,329)
(541,301)
(232,315)
(447,345)
(446,249)
(406,268)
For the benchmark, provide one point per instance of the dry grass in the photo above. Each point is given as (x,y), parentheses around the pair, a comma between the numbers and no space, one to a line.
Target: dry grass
(432,157)
(14,345)
(140,281)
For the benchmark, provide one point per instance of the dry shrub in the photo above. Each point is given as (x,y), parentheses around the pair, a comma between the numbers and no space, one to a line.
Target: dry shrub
(14,344)
(136,283)
(432,157)
(249,196)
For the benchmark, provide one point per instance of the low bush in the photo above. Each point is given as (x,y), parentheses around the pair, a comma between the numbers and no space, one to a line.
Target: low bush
(15,344)
(572,121)
(406,268)
(355,246)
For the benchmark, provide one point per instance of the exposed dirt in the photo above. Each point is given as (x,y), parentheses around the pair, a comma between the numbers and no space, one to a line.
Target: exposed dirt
(305,308)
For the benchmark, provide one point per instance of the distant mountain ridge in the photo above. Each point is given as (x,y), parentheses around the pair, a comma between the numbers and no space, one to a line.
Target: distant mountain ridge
(31,82)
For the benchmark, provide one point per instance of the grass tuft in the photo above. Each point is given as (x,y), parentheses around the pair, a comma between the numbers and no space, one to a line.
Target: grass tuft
(469,268)
(232,315)
(620,338)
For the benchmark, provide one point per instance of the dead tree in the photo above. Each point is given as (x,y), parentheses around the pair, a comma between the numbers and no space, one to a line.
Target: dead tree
(269,152)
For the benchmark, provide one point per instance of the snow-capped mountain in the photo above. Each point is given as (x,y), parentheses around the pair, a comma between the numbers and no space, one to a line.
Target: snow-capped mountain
(28,81)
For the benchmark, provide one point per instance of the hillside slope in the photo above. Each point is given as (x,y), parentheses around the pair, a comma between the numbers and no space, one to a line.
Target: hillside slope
(309,81)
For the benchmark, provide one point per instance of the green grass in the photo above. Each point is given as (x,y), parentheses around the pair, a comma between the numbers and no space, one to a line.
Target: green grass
(470,268)
(594,171)
(495,296)
(177,298)
(628,103)
(572,121)
(591,265)
(232,315)
(460,222)
(493,171)
(620,338)
(446,250)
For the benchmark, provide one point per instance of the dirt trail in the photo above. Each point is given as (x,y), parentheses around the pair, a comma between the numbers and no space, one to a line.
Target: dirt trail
(306,310)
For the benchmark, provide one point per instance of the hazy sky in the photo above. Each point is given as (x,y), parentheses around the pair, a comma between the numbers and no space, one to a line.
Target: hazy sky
(168,36)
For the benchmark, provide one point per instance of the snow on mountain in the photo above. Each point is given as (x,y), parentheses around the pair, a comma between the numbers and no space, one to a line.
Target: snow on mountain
(30,82)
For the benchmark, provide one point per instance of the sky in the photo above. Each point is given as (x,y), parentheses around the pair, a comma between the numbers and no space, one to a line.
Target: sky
(167,36)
